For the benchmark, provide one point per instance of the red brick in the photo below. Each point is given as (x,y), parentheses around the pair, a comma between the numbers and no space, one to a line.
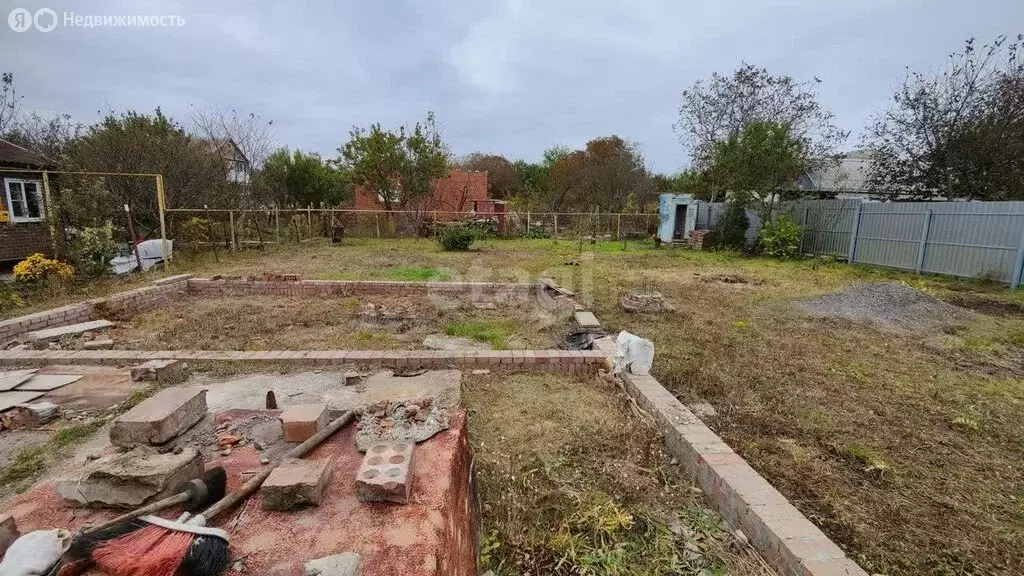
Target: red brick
(301,421)
(385,473)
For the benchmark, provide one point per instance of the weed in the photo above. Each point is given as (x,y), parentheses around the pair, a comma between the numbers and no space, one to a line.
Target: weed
(415,274)
(494,333)
(71,435)
(966,423)
(31,462)
(871,462)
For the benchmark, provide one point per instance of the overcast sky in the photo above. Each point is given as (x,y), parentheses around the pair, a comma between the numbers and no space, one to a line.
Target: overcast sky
(510,77)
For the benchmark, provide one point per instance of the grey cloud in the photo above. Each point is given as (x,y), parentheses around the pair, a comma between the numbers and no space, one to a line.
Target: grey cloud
(511,77)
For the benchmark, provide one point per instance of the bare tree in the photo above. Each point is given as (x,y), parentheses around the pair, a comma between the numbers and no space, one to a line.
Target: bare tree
(713,109)
(957,133)
(250,132)
(10,102)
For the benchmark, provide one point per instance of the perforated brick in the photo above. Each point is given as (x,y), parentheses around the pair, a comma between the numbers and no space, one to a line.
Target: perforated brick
(385,473)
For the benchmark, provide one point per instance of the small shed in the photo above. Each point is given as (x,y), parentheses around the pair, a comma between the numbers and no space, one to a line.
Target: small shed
(23,228)
(678,217)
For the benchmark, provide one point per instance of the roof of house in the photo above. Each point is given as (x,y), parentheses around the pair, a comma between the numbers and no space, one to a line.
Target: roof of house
(14,156)
(850,174)
(226,148)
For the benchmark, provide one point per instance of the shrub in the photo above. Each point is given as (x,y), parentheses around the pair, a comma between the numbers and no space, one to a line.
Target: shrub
(484,227)
(780,238)
(456,238)
(731,229)
(93,250)
(41,272)
(536,231)
(196,233)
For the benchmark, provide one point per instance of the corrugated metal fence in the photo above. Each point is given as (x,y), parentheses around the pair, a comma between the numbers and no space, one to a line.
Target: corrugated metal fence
(967,239)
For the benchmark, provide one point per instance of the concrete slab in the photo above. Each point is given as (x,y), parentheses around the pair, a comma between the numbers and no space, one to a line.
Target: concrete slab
(69,330)
(10,379)
(130,479)
(346,564)
(248,391)
(99,388)
(9,399)
(160,418)
(47,382)
(586,321)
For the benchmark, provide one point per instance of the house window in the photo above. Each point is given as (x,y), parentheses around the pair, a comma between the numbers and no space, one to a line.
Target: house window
(24,200)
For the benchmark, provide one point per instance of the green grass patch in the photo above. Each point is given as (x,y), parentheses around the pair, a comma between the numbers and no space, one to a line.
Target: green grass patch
(495,333)
(31,462)
(415,274)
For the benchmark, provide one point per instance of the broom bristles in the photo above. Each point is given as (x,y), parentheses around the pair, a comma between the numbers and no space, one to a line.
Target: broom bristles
(151,551)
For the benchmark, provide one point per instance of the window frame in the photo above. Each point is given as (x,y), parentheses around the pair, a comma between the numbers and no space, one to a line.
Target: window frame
(24,197)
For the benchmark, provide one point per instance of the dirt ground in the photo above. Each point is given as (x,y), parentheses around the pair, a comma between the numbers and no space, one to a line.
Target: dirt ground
(905,446)
(334,323)
(569,478)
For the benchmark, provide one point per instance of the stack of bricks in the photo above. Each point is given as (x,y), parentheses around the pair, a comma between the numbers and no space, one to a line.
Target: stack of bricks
(696,240)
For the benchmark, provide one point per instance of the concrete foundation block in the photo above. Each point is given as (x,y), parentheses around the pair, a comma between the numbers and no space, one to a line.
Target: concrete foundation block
(295,483)
(301,421)
(152,370)
(51,334)
(8,532)
(586,321)
(385,474)
(160,418)
(130,479)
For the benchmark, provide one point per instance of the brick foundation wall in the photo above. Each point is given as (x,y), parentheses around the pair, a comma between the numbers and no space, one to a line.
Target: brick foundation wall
(159,294)
(18,241)
(246,287)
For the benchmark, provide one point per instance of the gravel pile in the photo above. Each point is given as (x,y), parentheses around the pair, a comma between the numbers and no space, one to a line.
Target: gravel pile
(892,304)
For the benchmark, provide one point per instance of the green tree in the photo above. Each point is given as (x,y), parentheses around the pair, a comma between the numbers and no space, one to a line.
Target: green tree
(399,165)
(762,160)
(296,179)
(133,142)
(955,133)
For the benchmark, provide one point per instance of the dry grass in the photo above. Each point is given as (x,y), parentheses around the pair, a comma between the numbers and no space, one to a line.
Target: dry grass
(572,483)
(907,449)
(327,323)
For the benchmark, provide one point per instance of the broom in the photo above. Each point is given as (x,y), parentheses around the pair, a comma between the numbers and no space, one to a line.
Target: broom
(187,547)
(195,495)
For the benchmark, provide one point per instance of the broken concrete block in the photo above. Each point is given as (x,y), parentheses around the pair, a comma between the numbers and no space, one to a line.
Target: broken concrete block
(385,473)
(99,344)
(160,418)
(346,564)
(586,321)
(296,482)
(353,378)
(301,421)
(9,532)
(36,414)
(130,479)
(50,334)
(156,370)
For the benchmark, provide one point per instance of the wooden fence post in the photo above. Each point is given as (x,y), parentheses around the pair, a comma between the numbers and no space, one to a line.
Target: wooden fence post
(277,225)
(231,221)
(376,222)
(852,257)
(556,225)
(803,233)
(924,240)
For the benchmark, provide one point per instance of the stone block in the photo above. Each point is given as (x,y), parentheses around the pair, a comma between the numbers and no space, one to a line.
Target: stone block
(130,479)
(346,564)
(301,421)
(160,418)
(586,321)
(8,532)
(99,344)
(385,475)
(296,482)
(156,370)
(51,334)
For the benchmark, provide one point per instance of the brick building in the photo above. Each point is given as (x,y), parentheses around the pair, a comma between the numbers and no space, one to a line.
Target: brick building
(458,196)
(23,228)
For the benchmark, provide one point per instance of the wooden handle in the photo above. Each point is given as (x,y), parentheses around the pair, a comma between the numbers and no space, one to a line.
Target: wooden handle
(149,508)
(298,452)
